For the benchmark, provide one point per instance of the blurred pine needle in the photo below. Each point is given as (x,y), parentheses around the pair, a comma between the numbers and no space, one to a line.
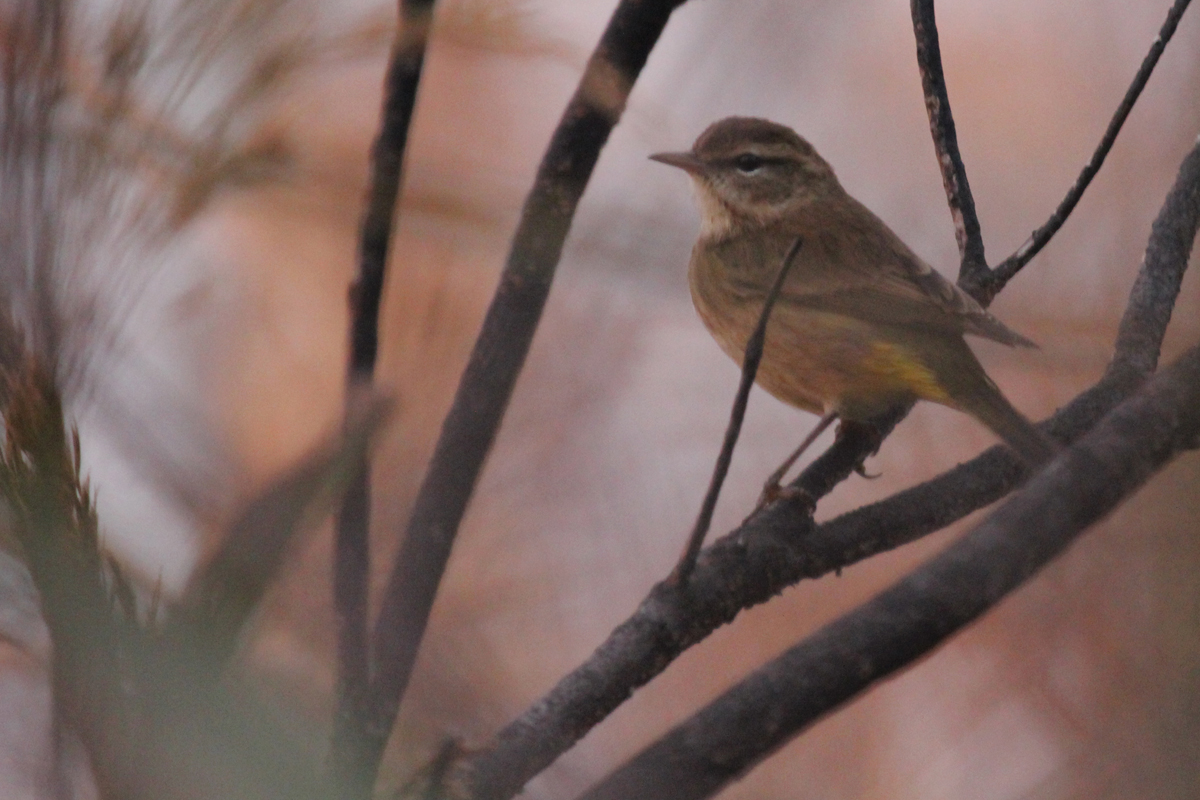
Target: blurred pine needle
(146,689)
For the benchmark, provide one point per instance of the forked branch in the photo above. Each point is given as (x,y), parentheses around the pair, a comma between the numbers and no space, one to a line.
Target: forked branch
(899,626)
(351,564)
(1005,271)
(775,548)
(891,631)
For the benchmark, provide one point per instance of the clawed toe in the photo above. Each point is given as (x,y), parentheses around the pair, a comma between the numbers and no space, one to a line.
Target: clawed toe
(773,491)
(861,469)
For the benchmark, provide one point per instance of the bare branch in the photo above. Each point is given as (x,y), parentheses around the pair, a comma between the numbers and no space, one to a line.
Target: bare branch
(772,550)
(777,547)
(499,352)
(898,626)
(973,270)
(754,351)
(1005,271)
(352,560)
(400,94)
(1152,298)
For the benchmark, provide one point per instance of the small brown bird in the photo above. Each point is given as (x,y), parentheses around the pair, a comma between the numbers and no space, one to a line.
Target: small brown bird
(861,324)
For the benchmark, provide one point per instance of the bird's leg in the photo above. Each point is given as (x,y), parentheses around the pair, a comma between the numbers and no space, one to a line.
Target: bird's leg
(772,490)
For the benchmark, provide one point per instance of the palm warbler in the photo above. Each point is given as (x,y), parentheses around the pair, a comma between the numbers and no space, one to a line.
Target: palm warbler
(862,324)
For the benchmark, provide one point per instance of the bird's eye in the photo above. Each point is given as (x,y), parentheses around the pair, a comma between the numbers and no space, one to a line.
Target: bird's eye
(748,162)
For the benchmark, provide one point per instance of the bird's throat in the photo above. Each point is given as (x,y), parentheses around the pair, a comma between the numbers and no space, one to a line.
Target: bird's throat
(717,219)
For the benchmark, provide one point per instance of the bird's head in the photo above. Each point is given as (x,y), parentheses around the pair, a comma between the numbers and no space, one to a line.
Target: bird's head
(752,172)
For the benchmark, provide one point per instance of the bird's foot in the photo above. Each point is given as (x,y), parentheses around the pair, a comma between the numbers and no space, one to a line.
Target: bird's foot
(773,492)
(861,469)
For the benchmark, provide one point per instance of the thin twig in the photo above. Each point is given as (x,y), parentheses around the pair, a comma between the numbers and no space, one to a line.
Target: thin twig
(973,270)
(754,352)
(764,711)
(352,562)
(776,547)
(486,385)
(1005,271)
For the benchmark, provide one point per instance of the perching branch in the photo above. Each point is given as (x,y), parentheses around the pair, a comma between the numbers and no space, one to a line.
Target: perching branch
(973,270)
(754,351)
(1005,271)
(775,548)
(500,350)
(764,711)
(351,563)
(767,709)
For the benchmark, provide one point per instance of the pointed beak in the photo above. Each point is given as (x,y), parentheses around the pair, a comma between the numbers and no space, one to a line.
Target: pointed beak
(685,161)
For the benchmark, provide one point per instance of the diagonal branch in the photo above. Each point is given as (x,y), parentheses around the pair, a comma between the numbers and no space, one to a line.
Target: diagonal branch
(776,548)
(891,631)
(973,270)
(351,565)
(1008,268)
(223,594)
(754,352)
(499,352)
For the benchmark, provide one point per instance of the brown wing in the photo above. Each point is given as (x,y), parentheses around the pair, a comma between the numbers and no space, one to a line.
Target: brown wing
(868,272)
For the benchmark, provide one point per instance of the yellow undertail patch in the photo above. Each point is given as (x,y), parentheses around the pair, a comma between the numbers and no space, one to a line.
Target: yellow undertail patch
(893,365)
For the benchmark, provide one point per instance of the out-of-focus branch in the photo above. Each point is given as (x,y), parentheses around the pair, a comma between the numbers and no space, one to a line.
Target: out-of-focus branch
(1005,271)
(387,160)
(898,626)
(973,270)
(352,559)
(776,547)
(500,350)
(225,591)
(146,703)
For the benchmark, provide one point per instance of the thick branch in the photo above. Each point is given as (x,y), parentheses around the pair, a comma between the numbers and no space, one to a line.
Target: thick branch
(763,712)
(1152,299)
(351,565)
(508,328)
(1005,271)
(973,270)
(776,548)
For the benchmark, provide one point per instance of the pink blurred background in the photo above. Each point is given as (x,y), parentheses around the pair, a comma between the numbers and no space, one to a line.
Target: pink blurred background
(1086,683)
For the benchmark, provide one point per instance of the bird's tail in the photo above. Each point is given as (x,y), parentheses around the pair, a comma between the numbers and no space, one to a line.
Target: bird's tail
(989,406)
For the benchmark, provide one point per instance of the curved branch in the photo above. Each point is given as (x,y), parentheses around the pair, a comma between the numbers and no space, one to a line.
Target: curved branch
(1008,268)
(776,547)
(973,271)
(499,353)
(763,712)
